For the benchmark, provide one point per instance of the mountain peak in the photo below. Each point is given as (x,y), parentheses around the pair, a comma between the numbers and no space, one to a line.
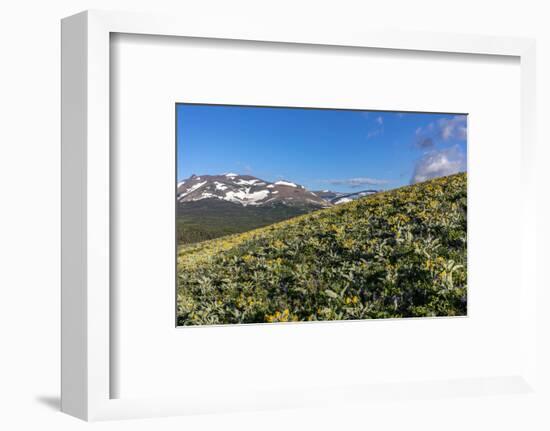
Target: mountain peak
(250,190)
(246,190)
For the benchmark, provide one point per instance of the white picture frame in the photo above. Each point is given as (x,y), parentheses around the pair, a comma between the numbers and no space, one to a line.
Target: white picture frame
(86,169)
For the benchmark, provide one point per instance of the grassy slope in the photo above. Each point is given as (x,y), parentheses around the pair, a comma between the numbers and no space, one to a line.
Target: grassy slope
(400,253)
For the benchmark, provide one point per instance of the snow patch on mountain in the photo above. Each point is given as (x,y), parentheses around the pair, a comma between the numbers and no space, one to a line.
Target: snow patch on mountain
(285,183)
(352,196)
(245,197)
(192,188)
(342,201)
(242,182)
(205,195)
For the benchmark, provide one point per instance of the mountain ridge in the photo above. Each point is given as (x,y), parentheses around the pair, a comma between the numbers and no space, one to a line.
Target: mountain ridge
(248,190)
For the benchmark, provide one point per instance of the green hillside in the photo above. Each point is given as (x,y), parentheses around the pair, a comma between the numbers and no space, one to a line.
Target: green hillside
(400,253)
(212,218)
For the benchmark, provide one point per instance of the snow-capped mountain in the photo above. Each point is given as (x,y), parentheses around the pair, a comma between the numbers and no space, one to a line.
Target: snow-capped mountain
(337,198)
(329,195)
(247,190)
(352,196)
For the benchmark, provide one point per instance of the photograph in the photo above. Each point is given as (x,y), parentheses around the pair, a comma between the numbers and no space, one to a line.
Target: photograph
(304,214)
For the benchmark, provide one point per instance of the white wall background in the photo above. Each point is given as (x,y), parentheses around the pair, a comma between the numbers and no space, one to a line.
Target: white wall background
(29,197)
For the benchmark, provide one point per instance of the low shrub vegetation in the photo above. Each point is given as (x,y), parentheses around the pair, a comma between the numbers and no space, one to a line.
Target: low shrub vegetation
(400,253)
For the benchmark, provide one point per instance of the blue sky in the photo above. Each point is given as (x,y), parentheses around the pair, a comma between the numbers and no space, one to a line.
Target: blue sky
(340,150)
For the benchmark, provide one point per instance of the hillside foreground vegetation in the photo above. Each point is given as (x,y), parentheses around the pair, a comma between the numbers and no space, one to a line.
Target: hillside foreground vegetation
(400,253)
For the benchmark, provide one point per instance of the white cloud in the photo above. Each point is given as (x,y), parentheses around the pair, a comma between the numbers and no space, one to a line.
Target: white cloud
(452,127)
(442,130)
(358,182)
(439,164)
(378,129)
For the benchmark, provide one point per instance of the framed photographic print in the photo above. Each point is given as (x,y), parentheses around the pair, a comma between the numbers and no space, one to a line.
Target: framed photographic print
(273,218)
(333,214)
